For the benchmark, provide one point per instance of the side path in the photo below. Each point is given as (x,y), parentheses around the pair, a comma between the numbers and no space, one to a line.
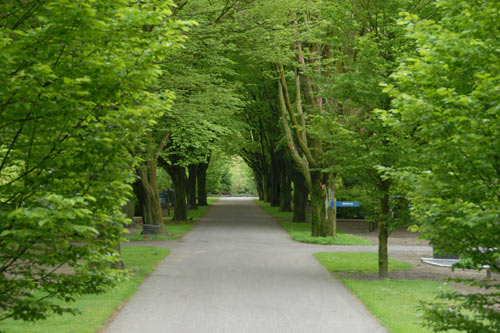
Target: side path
(238,271)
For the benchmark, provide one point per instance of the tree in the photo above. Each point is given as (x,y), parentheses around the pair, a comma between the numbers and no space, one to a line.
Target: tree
(146,185)
(74,78)
(205,99)
(446,107)
(367,40)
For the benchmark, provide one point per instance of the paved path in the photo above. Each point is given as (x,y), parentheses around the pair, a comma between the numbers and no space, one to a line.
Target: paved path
(238,271)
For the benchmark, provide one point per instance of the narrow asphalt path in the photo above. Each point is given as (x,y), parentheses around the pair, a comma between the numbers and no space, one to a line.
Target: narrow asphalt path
(238,271)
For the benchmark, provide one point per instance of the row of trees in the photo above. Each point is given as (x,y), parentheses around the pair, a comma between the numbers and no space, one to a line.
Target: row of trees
(80,87)
(405,106)
(317,97)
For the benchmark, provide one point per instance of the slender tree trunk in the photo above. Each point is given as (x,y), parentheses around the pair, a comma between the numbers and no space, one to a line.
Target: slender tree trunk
(201,179)
(300,194)
(267,187)
(192,186)
(275,183)
(331,209)
(178,175)
(139,193)
(259,184)
(285,191)
(383,231)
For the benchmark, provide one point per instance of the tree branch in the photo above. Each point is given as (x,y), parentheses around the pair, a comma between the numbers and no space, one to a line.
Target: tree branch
(301,162)
(162,144)
(287,102)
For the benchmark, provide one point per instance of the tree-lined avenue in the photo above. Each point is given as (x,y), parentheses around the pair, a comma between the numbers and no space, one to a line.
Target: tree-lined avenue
(238,271)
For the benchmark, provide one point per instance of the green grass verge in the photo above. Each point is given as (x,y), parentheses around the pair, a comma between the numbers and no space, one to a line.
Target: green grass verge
(95,309)
(301,232)
(395,302)
(357,262)
(274,211)
(174,230)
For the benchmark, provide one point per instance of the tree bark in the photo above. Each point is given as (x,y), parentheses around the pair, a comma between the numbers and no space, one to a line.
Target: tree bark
(285,190)
(383,231)
(259,184)
(178,175)
(139,193)
(192,186)
(267,187)
(305,157)
(201,179)
(149,197)
(300,194)
(179,178)
(275,183)
(331,209)
(151,208)
(147,183)
(318,197)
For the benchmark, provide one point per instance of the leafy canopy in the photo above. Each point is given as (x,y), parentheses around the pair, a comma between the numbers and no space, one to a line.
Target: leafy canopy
(74,78)
(446,111)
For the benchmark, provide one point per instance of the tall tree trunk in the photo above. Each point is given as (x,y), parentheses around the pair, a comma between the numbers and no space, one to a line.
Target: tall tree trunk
(318,196)
(285,191)
(178,175)
(149,195)
(275,183)
(179,178)
(259,184)
(201,179)
(267,187)
(383,231)
(139,194)
(319,204)
(300,194)
(331,211)
(192,186)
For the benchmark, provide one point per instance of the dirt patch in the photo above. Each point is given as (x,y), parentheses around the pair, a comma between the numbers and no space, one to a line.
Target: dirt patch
(421,271)
(398,237)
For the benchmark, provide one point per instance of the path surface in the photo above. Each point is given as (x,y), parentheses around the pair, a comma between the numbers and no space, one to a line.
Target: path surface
(238,271)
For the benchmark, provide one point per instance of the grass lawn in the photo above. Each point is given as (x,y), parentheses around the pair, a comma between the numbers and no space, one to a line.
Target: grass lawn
(95,309)
(174,230)
(274,211)
(394,302)
(301,232)
(357,262)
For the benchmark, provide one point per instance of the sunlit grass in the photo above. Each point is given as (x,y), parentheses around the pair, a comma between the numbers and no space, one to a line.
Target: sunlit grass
(357,262)
(301,232)
(95,309)
(395,302)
